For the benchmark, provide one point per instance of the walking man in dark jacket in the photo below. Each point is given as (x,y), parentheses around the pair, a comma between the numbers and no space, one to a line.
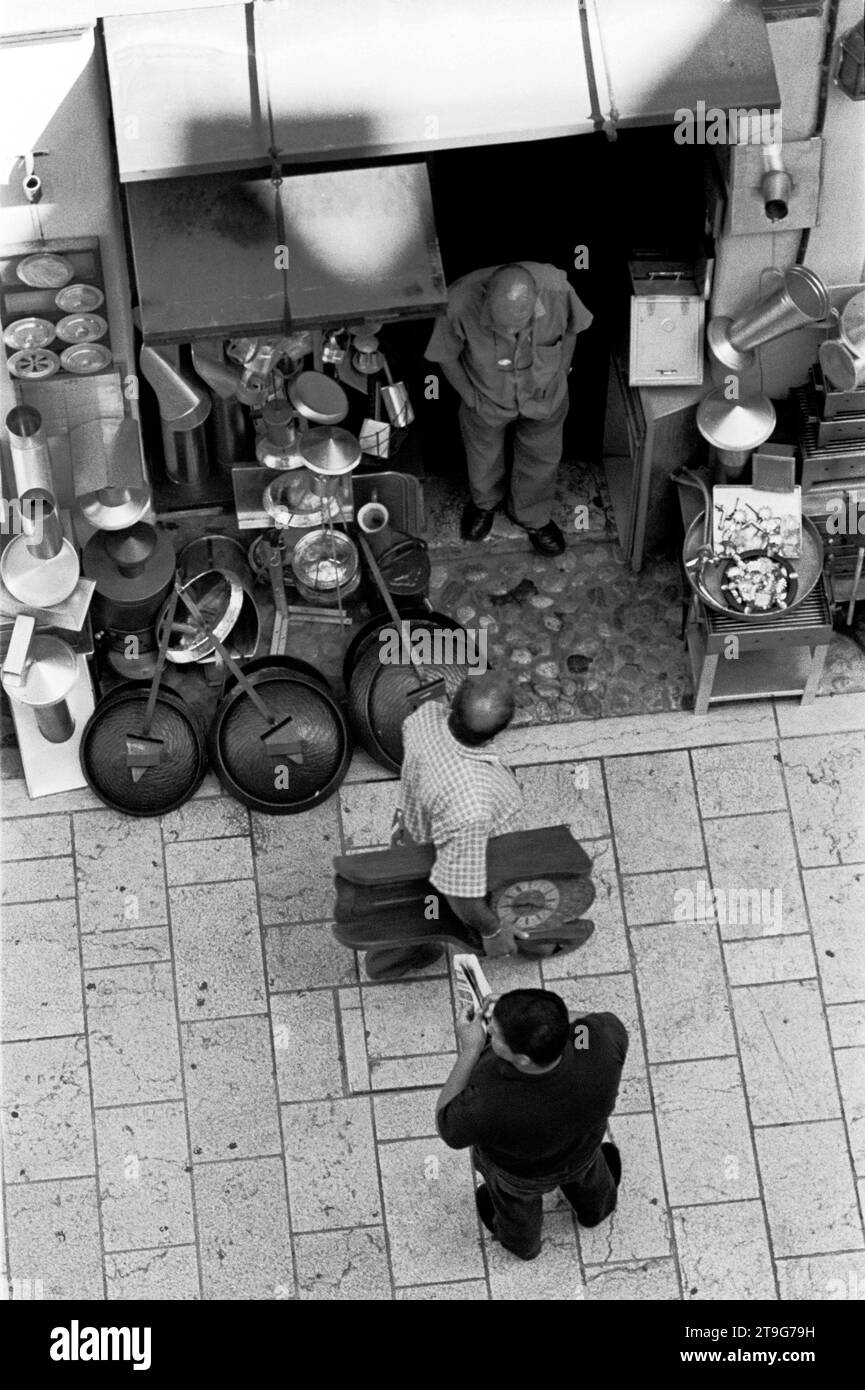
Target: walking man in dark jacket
(532,1096)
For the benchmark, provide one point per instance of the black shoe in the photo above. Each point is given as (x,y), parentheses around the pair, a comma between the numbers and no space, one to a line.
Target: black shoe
(614,1161)
(475,524)
(547,540)
(392,962)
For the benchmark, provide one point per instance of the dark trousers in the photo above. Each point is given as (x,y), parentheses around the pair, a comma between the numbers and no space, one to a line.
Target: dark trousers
(537,454)
(519,1210)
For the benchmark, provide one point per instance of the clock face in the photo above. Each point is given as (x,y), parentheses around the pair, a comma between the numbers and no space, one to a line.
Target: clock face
(541,904)
(527,903)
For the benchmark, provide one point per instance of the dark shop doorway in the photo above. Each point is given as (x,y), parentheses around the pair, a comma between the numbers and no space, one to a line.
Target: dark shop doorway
(539,200)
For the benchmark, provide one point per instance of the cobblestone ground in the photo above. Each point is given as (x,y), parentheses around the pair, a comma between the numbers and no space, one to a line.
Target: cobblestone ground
(203,1097)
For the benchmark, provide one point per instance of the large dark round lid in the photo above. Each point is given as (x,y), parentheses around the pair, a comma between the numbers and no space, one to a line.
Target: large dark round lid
(288,767)
(382,695)
(104,752)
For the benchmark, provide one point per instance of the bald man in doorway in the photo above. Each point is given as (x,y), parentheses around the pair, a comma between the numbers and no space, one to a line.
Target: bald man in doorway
(455,793)
(505,345)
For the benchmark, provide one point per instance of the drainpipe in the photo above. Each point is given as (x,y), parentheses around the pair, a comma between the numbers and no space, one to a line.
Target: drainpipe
(822,102)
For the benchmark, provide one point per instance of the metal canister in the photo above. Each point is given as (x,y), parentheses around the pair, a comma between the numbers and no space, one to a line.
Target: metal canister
(40,671)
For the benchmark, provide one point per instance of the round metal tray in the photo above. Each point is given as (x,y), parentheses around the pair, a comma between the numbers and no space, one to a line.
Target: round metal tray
(39,583)
(808,566)
(103,752)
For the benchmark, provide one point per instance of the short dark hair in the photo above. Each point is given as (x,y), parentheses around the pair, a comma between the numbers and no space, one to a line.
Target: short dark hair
(533,1022)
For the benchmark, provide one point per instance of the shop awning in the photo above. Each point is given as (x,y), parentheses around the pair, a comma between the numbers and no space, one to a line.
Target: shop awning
(214,259)
(325,80)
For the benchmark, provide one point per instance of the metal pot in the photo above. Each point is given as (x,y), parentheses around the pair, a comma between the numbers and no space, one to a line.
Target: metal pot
(379,696)
(325,560)
(133,570)
(318,398)
(219,595)
(40,671)
(103,752)
(706,573)
(298,697)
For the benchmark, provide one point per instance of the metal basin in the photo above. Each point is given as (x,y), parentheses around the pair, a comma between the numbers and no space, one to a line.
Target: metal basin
(706,582)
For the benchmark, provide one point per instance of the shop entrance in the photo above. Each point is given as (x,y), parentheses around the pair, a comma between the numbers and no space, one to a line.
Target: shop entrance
(539,200)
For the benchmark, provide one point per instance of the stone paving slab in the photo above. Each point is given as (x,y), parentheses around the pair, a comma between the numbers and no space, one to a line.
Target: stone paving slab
(836,905)
(47,1129)
(785,1052)
(139,945)
(41,971)
(331,1164)
(54,1238)
(808,1187)
(306,1046)
(132,1031)
(685,1009)
(735,778)
(654,809)
(145,1190)
(343,1266)
(121,875)
(230,1092)
(294,863)
(703,1126)
(724,1252)
(35,837)
(826,782)
(430,1210)
(244,1234)
(639,1228)
(306,956)
(37,880)
(766,960)
(752,859)
(217,948)
(170,1273)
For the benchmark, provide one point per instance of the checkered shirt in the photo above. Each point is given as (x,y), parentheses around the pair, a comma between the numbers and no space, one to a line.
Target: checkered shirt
(455,797)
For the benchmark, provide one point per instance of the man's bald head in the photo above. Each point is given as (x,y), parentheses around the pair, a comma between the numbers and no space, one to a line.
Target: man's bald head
(511,296)
(481,708)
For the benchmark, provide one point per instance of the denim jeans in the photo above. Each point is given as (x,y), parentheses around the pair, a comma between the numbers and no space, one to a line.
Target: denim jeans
(517,1203)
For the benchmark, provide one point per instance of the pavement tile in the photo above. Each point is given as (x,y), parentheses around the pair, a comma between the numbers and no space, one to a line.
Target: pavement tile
(353,1040)
(431,1216)
(17,802)
(37,880)
(826,783)
(808,1217)
(685,1009)
(765,960)
(47,1127)
(144,1186)
(367,813)
(755,876)
(606,950)
(405,1115)
(243,1228)
(41,977)
(406,1018)
(230,1090)
(614,994)
(217,950)
(339,1266)
(399,1073)
(459,1292)
(140,945)
(646,1280)
(638,1229)
(642,734)
(569,794)
(306,956)
(846,1024)
(54,1238)
(654,811)
(705,1138)
(205,820)
(513,972)
(330,1161)
(785,1053)
(836,902)
(834,714)
(36,837)
(554,1275)
(121,878)
(736,778)
(294,863)
(306,1046)
(134,1051)
(851,1078)
(821,1277)
(170,1273)
(680,895)
(209,861)
(724,1252)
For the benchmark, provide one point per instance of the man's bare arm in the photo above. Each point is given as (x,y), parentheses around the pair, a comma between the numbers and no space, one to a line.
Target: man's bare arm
(499,940)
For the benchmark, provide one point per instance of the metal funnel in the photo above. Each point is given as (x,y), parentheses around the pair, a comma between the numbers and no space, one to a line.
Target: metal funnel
(799,298)
(182,403)
(735,428)
(210,365)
